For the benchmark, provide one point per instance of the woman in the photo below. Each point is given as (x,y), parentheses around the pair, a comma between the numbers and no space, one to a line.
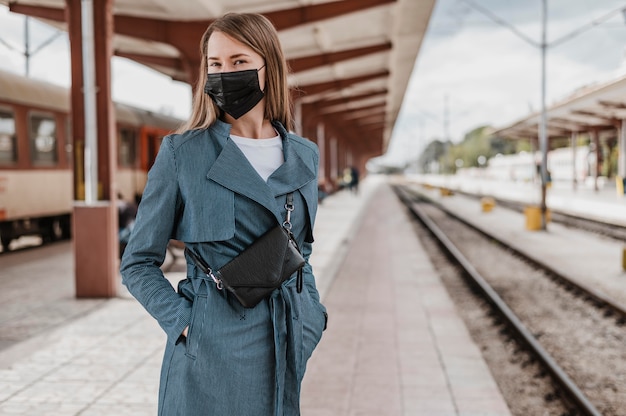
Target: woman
(218,185)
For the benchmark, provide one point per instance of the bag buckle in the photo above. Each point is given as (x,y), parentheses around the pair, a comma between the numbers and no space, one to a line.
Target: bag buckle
(218,282)
(287,223)
(206,269)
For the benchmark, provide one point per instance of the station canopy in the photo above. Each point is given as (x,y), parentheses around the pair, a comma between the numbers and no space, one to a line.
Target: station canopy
(598,107)
(353,58)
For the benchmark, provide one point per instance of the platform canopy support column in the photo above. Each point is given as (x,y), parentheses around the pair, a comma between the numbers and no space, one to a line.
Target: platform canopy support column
(93,128)
(621,151)
(322,144)
(595,139)
(573,140)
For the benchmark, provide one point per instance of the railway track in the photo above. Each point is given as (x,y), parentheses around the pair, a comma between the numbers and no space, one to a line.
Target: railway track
(587,391)
(614,231)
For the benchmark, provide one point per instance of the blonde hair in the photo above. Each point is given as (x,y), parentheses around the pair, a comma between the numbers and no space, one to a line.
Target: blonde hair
(258,33)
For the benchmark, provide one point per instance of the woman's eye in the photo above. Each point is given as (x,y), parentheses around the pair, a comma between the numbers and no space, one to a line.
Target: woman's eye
(239,62)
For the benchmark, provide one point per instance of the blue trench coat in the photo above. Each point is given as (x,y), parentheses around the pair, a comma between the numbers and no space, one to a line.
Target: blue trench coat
(235,361)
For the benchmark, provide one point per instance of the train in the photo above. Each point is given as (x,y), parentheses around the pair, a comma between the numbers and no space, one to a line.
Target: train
(36,156)
(563,165)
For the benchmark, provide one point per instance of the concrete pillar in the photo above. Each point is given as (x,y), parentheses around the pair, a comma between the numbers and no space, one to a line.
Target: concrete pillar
(95,228)
(621,150)
(333,161)
(298,117)
(349,158)
(321,144)
(596,172)
(573,137)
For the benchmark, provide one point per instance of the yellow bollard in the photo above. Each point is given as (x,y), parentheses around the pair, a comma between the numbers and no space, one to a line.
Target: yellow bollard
(533,217)
(487,203)
(445,192)
(619,185)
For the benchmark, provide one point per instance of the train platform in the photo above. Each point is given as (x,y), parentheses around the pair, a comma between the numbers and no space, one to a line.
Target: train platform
(604,204)
(591,260)
(395,344)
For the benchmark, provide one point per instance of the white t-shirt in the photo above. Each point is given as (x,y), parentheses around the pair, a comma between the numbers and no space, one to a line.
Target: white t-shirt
(265,155)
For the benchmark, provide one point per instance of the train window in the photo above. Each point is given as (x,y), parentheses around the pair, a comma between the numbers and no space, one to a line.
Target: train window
(43,140)
(127,147)
(8,142)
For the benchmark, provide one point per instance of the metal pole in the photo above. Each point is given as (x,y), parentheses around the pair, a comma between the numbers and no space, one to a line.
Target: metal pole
(26,47)
(543,140)
(89,92)
(621,156)
(621,164)
(574,167)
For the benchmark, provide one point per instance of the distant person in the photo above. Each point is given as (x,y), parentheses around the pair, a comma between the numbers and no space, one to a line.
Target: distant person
(355,180)
(351,179)
(322,193)
(126,213)
(217,186)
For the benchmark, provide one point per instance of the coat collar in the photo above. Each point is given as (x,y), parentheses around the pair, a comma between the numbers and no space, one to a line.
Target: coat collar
(232,170)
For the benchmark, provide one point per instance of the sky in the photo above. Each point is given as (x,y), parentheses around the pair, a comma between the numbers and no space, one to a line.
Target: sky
(132,83)
(470,71)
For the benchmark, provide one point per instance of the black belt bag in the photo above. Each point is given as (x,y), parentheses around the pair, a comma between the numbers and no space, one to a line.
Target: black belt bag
(262,267)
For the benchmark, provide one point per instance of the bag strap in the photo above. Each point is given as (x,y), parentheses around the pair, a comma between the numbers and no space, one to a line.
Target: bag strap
(289,206)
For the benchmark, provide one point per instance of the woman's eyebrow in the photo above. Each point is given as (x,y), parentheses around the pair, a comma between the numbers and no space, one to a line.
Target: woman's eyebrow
(237,55)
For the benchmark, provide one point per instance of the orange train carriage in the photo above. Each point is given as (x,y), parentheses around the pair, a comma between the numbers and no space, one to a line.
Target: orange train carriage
(36,156)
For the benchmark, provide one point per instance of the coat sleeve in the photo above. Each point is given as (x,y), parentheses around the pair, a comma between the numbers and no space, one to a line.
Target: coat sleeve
(309,278)
(145,252)
(311,198)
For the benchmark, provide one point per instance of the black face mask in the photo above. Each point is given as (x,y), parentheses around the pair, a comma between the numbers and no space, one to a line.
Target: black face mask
(235,93)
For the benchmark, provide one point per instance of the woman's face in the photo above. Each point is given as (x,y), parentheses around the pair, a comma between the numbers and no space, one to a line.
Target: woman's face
(225,54)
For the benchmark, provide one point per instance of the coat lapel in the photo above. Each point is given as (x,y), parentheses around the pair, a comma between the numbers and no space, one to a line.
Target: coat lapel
(293,174)
(232,170)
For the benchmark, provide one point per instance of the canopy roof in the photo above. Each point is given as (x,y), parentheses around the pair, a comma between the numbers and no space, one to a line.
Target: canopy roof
(592,108)
(353,56)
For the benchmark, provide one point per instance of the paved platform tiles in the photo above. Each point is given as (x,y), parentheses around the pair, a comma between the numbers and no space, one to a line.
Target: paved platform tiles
(104,359)
(395,344)
(64,356)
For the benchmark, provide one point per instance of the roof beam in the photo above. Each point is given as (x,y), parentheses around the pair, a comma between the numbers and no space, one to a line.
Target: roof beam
(358,110)
(375,112)
(589,119)
(339,84)
(314,61)
(371,123)
(285,19)
(350,98)
(593,114)
(574,125)
(612,104)
(41,12)
(152,59)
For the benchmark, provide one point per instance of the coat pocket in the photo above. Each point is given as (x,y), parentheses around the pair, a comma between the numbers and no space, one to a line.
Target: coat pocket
(198,318)
(313,317)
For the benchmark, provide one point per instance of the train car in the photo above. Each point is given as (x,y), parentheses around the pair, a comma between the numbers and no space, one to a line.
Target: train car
(515,167)
(36,156)
(562,165)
